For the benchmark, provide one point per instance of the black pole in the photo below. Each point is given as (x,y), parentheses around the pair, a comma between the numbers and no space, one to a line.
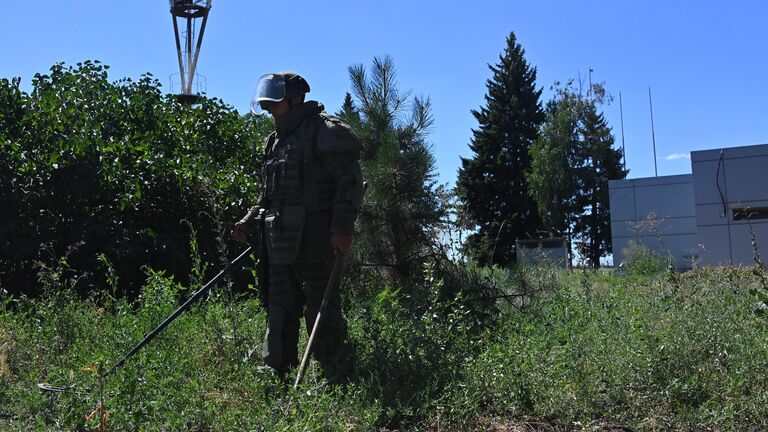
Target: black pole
(199,293)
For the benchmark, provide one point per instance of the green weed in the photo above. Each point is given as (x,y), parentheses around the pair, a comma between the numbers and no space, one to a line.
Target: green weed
(580,350)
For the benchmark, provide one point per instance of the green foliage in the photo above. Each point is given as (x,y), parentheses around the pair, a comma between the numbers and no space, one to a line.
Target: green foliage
(491,184)
(403,205)
(115,167)
(554,159)
(634,355)
(593,226)
(587,350)
(572,161)
(439,344)
(641,261)
(407,355)
(191,377)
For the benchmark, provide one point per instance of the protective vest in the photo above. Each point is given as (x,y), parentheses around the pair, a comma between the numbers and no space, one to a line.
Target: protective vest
(292,173)
(310,171)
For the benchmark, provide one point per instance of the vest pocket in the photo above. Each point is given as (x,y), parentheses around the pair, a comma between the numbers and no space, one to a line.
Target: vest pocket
(284,173)
(284,229)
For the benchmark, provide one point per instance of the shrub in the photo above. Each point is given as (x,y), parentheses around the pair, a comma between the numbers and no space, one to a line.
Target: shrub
(641,261)
(117,168)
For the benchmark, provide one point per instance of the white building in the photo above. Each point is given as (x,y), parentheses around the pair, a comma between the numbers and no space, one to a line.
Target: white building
(707,217)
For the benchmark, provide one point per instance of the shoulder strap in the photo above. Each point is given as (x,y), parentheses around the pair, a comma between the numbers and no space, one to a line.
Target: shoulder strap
(312,153)
(270,144)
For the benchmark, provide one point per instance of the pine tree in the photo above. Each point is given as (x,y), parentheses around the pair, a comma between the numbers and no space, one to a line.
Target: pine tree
(491,185)
(402,206)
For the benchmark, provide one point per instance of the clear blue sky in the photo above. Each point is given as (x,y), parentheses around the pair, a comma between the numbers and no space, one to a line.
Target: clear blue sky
(705,61)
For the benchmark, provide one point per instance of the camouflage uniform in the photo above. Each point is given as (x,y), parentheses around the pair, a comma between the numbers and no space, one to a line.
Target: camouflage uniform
(312,187)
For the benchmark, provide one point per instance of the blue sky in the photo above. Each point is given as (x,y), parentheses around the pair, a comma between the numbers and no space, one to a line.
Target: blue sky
(706,62)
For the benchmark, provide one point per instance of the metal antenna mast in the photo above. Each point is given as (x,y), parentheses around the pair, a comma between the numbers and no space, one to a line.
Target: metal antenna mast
(193,15)
(653,134)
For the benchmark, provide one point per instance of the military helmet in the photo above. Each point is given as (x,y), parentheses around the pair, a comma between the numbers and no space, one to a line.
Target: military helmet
(274,87)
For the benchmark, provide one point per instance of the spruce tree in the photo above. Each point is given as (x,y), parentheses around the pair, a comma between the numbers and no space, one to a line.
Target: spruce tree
(593,227)
(491,184)
(349,112)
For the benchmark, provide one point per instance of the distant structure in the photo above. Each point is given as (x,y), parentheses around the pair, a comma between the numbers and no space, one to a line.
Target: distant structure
(715,216)
(190,16)
(552,250)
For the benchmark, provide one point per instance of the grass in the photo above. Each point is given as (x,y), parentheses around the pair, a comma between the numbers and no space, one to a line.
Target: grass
(584,351)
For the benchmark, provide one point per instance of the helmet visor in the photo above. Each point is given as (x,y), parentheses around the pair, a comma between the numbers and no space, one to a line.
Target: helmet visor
(271,88)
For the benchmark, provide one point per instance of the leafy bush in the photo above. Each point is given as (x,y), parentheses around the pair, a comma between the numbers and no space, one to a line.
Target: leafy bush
(641,261)
(406,353)
(117,168)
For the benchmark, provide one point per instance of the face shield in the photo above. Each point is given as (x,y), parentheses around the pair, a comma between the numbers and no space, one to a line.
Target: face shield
(271,88)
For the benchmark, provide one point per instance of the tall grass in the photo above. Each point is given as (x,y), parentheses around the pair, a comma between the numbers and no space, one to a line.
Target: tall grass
(582,350)
(656,353)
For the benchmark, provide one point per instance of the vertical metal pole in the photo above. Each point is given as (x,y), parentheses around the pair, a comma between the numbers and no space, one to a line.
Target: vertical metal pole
(190,36)
(178,52)
(197,50)
(623,151)
(653,134)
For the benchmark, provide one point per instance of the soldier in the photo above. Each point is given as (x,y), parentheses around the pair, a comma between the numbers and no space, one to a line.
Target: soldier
(312,188)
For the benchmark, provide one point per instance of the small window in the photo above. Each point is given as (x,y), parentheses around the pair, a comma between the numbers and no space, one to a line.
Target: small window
(751,213)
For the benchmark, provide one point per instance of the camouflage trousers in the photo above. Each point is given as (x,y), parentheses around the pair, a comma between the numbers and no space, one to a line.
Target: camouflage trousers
(295,291)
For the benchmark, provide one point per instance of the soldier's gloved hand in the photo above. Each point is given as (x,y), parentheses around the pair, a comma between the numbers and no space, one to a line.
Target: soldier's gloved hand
(240,232)
(341,243)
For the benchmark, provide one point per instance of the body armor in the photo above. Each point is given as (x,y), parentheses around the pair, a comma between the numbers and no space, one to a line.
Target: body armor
(312,185)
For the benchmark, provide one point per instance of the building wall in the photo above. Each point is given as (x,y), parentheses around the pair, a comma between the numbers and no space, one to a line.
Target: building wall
(656,212)
(724,180)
